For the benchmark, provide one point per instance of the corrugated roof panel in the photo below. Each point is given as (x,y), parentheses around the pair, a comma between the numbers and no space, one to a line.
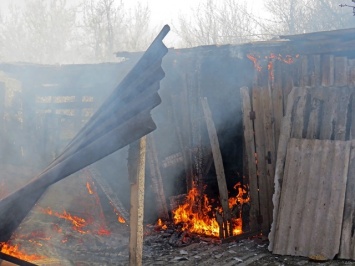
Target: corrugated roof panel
(347,244)
(312,198)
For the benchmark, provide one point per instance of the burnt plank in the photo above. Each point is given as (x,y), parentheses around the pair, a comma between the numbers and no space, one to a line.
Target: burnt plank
(304,77)
(218,163)
(250,152)
(157,180)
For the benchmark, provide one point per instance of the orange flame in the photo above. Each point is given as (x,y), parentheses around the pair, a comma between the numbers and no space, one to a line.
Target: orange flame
(13,250)
(76,221)
(121,220)
(89,188)
(199,221)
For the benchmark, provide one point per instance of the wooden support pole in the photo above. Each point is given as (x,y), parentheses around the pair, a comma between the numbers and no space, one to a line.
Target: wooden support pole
(218,162)
(136,170)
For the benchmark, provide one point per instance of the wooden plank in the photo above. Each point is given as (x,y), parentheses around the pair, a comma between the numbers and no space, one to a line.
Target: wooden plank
(301,107)
(281,158)
(270,148)
(250,152)
(340,71)
(347,243)
(316,112)
(304,78)
(341,113)
(157,180)
(315,70)
(351,73)
(327,130)
(327,70)
(313,196)
(218,163)
(265,194)
(277,104)
(136,160)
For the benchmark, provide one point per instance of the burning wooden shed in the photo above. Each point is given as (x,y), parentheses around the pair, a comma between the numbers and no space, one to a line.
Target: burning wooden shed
(272,148)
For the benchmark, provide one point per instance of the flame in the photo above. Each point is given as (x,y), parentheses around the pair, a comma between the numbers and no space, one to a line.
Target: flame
(255,60)
(14,250)
(288,59)
(89,188)
(77,222)
(204,221)
(121,220)
(161,224)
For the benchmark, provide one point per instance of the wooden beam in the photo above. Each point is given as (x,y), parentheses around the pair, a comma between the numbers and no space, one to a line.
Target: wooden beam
(136,170)
(218,162)
(157,180)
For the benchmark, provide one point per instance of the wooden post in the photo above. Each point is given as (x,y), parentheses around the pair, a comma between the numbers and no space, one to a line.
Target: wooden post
(136,170)
(217,156)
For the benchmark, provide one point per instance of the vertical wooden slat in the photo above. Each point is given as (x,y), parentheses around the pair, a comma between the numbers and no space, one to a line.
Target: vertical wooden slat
(270,147)
(341,112)
(136,168)
(316,108)
(157,179)
(340,71)
(327,70)
(261,152)
(250,151)
(327,128)
(300,111)
(315,71)
(281,158)
(277,103)
(351,73)
(218,163)
(304,78)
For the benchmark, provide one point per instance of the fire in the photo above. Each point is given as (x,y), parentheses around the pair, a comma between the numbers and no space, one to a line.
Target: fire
(288,59)
(203,221)
(255,60)
(121,220)
(14,250)
(77,222)
(89,188)
(161,224)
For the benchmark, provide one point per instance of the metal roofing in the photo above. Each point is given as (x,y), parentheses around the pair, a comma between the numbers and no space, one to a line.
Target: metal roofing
(312,198)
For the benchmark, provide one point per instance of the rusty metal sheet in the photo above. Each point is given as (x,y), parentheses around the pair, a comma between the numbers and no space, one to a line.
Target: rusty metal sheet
(312,198)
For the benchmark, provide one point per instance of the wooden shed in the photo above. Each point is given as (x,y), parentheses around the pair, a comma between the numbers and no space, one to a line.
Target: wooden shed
(246,87)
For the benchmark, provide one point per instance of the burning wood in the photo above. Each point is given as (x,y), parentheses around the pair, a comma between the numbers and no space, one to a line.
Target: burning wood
(205,222)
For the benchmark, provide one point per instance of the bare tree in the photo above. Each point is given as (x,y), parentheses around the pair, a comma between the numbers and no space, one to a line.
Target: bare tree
(301,16)
(40,33)
(217,22)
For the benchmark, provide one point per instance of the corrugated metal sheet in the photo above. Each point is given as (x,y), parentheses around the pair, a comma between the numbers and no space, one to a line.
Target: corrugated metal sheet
(324,113)
(123,118)
(312,198)
(347,244)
